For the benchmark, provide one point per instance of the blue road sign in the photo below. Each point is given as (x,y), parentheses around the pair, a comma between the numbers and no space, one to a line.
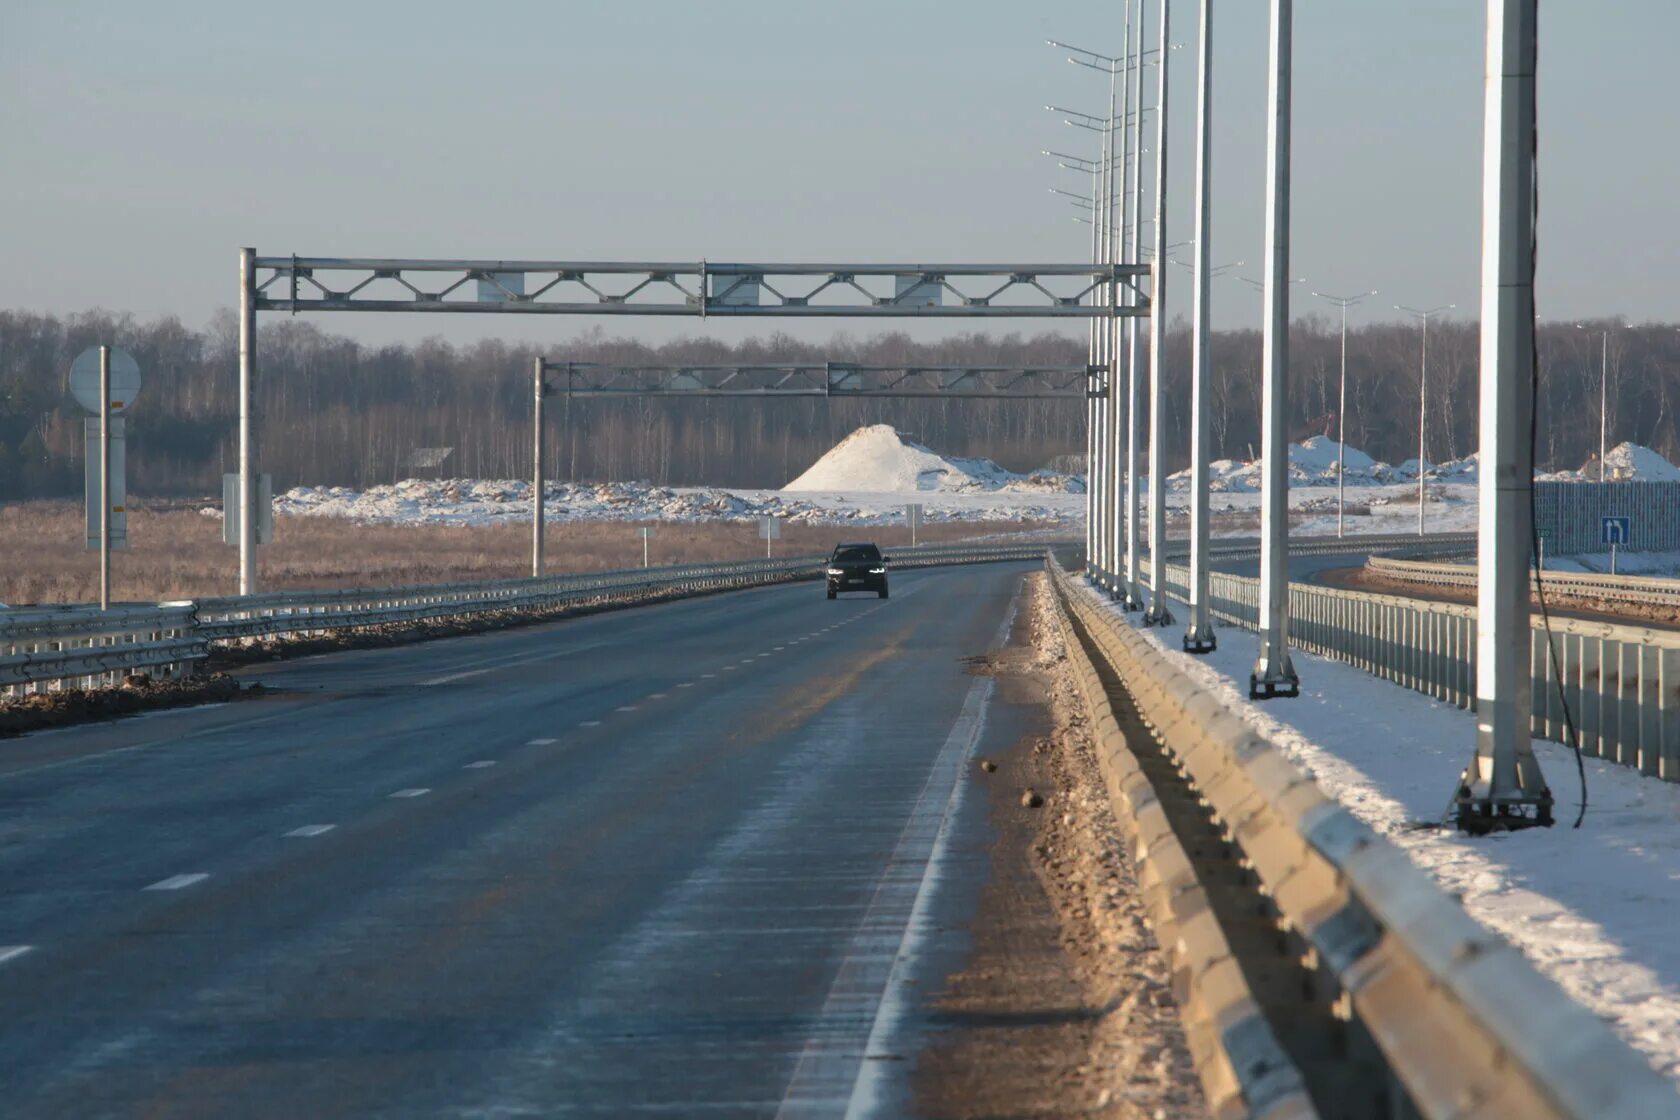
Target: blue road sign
(1614,530)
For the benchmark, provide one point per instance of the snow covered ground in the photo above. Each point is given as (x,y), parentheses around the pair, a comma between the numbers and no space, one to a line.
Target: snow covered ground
(1664,564)
(1595,909)
(868,477)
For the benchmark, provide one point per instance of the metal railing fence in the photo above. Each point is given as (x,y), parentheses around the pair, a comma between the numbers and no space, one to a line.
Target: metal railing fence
(1622,683)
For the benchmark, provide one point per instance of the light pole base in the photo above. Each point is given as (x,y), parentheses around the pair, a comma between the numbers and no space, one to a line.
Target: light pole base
(1200,639)
(1479,816)
(1130,600)
(1158,615)
(1274,674)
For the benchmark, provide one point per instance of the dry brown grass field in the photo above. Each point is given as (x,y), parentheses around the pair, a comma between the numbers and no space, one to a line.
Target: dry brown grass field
(179,554)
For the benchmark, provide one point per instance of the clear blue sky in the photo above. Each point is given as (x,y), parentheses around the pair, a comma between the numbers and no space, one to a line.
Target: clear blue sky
(143,143)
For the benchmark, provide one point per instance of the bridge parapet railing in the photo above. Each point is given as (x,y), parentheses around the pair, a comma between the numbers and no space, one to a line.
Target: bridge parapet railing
(1465,1024)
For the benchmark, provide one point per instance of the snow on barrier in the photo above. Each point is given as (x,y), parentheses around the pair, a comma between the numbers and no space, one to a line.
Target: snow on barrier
(82,647)
(1611,589)
(1465,1026)
(1622,683)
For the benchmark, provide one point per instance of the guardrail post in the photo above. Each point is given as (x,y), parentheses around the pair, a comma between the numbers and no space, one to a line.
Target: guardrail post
(1503,788)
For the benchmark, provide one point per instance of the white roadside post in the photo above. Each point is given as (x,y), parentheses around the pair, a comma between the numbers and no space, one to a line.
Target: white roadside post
(1198,633)
(1274,673)
(1158,614)
(1502,788)
(770,529)
(537,467)
(1133,586)
(104,478)
(646,532)
(1343,302)
(913,518)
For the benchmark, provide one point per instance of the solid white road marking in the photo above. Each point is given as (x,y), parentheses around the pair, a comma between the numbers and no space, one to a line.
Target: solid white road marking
(411,792)
(542,742)
(13,952)
(456,676)
(480,764)
(311,830)
(176,882)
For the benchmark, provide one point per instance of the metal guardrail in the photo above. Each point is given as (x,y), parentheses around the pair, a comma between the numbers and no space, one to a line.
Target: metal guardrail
(1464,1025)
(1622,683)
(82,647)
(1643,590)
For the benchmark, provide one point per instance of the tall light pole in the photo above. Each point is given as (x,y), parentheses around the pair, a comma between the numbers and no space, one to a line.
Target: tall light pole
(1132,584)
(1343,302)
(1423,392)
(1157,614)
(1274,673)
(1502,788)
(1198,633)
(1603,397)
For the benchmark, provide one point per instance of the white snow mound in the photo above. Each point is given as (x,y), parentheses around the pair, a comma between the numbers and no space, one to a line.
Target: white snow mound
(877,460)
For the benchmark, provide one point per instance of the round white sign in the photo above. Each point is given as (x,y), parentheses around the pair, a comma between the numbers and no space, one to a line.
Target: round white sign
(84,379)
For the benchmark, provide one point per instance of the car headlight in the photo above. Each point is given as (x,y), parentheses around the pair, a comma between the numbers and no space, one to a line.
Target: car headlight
(877,571)
(835,572)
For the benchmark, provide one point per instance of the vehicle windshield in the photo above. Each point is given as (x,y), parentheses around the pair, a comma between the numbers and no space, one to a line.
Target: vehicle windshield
(858,554)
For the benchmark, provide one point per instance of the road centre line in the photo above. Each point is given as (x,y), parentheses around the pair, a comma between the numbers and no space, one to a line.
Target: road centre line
(541,742)
(590,723)
(176,882)
(312,830)
(480,764)
(415,792)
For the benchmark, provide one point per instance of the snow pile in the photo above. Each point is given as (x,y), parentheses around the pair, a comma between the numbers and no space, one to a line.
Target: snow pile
(877,460)
(1627,462)
(1311,463)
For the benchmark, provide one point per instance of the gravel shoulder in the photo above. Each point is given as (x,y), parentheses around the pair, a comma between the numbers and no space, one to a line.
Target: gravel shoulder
(1064,1007)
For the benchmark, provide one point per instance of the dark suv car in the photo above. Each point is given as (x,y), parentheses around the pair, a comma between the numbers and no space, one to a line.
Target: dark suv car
(857,567)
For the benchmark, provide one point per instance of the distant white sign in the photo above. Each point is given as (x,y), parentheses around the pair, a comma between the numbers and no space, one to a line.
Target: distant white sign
(769,529)
(230,508)
(917,291)
(84,379)
(500,287)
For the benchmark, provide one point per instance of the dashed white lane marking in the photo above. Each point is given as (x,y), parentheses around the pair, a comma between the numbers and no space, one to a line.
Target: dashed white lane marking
(418,792)
(543,742)
(480,764)
(176,882)
(13,952)
(456,676)
(686,684)
(707,676)
(729,668)
(590,723)
(626,708)
(312,830)
(656,696)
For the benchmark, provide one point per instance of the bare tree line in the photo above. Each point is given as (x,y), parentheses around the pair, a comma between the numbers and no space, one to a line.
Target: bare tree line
(337,412)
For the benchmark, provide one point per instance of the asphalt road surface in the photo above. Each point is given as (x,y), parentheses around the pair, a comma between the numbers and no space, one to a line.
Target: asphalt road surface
(696,859)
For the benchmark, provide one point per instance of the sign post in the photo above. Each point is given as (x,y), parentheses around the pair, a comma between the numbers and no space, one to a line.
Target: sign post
(645,531)
(913,518)
(1614,531)
(105,380)
(770,529)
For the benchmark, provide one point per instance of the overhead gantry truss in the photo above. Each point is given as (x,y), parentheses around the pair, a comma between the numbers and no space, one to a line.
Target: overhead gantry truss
(825,379)
(1078,291)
